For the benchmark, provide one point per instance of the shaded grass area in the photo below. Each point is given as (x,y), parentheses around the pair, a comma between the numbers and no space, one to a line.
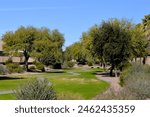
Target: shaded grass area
(10,83)
(77,83)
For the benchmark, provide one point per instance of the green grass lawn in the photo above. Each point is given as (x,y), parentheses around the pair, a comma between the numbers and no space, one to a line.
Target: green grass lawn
(7,97)
(78,83)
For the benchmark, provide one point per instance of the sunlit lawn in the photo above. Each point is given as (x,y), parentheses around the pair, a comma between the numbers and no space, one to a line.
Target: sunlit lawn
(69,84)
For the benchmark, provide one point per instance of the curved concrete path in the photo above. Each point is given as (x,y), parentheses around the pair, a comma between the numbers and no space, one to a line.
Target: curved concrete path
(7,92)
(114,81)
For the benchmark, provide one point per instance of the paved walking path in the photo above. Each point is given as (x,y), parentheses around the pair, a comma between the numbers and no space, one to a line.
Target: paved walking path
(7,92)
(114,81)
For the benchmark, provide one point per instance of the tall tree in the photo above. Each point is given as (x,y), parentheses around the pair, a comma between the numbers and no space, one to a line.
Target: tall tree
(20,40)
(139,43)
(48,46)
(146,26)
(113,42)
(41,44)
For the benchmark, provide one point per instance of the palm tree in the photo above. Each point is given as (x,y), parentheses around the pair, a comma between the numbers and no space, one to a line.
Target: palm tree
(146,27)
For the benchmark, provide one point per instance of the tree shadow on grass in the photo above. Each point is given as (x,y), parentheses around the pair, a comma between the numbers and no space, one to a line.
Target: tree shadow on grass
(9,78)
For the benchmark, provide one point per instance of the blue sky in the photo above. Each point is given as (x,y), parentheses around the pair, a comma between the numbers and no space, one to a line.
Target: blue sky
(70,17)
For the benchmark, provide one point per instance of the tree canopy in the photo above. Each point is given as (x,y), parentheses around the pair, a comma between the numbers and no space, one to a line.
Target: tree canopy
(41,44)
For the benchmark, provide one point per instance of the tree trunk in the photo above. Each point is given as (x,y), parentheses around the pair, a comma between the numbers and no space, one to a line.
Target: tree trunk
(104,63)
(116,72)
(26,61)
(135,59)
(111,70)
(144,60)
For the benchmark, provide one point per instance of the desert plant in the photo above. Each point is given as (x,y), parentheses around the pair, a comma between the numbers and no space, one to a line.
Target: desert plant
(111,94)
(14,68)
(36,89)
(3,69)
(136,79)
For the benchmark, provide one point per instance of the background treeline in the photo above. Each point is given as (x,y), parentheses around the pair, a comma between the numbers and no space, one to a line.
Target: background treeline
(113,42)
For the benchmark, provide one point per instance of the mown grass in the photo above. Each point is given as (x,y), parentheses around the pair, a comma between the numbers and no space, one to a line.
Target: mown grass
(78,83)
(7,97)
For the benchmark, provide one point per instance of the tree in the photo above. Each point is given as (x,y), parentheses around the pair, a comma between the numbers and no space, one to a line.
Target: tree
(113,42)
(139,42)
(48,46)
(86,42)
(41,44)
(146,27)
(20,40)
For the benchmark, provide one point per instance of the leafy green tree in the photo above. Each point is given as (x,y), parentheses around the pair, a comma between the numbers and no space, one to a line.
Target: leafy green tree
(42,44)
(20,40)
(139,43)
(86,42)
(48,47)
(113,42)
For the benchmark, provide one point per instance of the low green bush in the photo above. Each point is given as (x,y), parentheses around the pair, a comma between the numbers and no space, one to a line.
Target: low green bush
(9,61)
(68,64)
(3,70)
(40,66)
(14,68)
(36,89)
(32,68)
(90,64)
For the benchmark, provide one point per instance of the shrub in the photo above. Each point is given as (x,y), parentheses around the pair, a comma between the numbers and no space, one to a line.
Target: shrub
(3,69)
(111,94)
(90,64)
(36,89)
(133,70)
(70,64)
(32,68)
(40,66)
(9,61)
(136,79)
(14,68)
(57,66)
